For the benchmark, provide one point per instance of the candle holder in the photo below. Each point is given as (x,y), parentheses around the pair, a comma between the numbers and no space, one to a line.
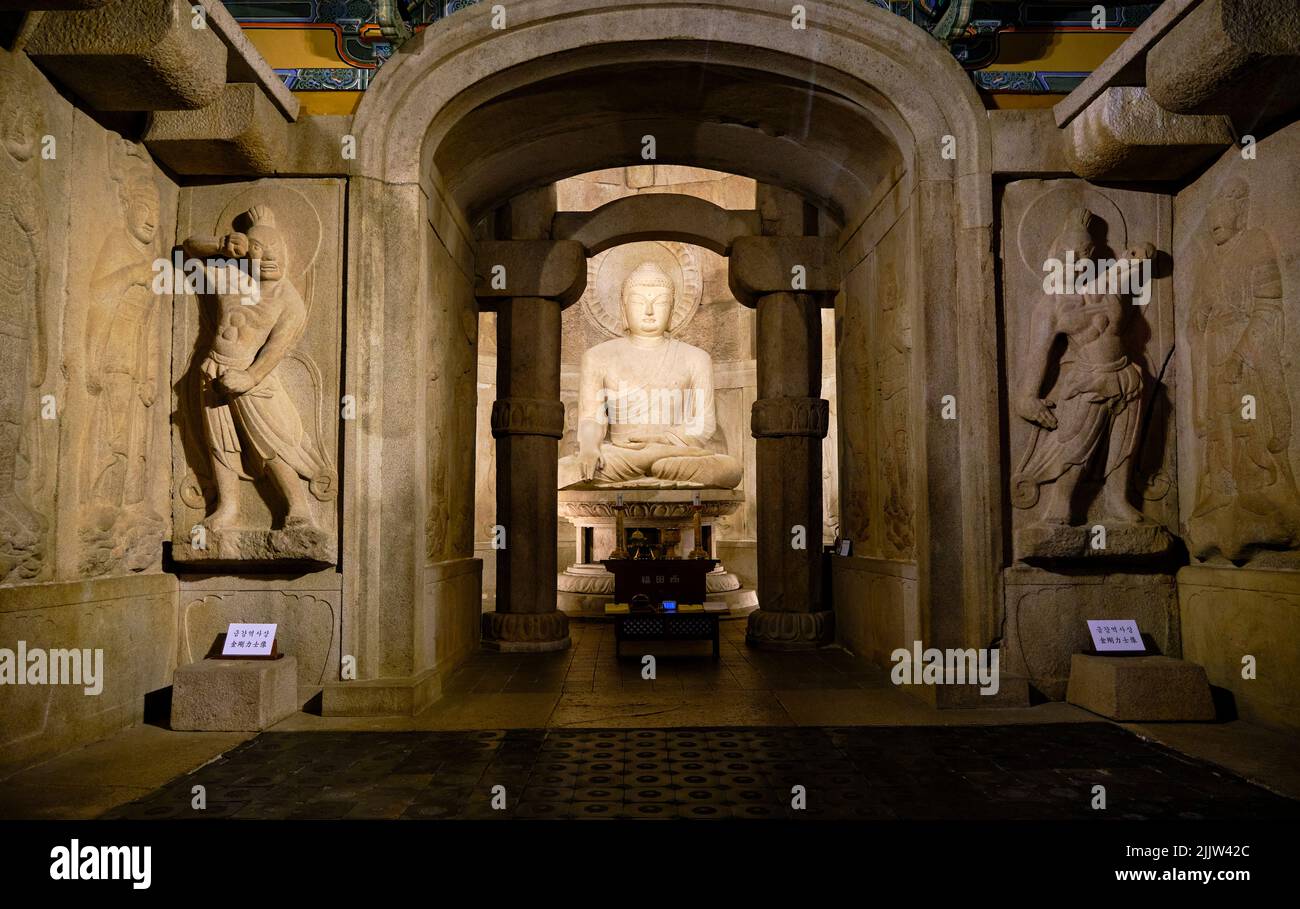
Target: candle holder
(620,544)
(697,552)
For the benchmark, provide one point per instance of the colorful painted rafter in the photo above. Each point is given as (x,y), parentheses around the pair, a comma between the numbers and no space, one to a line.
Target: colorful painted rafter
(973,30)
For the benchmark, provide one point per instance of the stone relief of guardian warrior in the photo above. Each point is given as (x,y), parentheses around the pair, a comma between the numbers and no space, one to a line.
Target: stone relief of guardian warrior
(122,353)
(1091,414)
(23,251)
(250,425)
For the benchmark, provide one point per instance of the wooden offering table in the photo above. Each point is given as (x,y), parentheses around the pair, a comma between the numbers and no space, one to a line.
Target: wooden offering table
(660,581)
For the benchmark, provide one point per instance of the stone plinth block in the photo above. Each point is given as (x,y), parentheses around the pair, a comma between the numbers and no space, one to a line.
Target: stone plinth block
(1026,143)
(770,265)
(768,630)
(1126,542)
(525,632)
(132,55)
(1234,57)
(1140,688)
(302,543)
(242,133)
(234,695)
(1126,135)
(555,269)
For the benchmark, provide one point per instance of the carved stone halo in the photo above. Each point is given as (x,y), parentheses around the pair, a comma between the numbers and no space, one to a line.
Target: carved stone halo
(297,221)
(1043,219)
(602,301)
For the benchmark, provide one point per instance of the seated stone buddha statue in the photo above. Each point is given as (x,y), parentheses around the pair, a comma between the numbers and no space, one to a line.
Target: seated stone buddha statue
(646,414)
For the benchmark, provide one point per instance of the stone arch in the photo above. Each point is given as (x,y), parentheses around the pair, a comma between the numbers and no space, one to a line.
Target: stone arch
(870,78)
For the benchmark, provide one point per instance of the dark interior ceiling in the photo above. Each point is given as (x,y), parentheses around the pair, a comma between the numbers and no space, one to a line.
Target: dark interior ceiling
(745,121)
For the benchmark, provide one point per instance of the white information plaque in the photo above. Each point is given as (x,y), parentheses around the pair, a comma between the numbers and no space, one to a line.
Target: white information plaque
(1115,634)
(249,639)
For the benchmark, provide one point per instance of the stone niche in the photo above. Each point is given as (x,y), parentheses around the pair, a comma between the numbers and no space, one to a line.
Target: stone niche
(1092,487)
(292,411)
(1090,446)
(1236,232)
(84,467)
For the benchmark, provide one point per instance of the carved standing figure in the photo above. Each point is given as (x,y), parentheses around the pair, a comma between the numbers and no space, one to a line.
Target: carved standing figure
(1246,492)
(856,436)
(247,415)
(122,352)
(22,324)
(1091,414)
(895,360)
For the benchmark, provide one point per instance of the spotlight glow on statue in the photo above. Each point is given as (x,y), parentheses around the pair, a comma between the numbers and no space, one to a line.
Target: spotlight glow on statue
(646,412)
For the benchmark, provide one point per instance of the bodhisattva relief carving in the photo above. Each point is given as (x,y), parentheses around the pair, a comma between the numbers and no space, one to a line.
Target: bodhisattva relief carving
(893,377)
(1246,493)
(1084,405)
(646,410)
(24,249)
(120,527)
(250,426)
(830,460)
(855,428)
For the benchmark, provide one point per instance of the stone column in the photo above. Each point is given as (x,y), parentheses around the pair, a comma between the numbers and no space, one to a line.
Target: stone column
(789,421)
(787,279)
(527,422)
(528,282)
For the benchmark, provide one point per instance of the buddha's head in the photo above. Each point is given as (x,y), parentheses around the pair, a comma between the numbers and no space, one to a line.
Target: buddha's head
(648,301)
(266,244)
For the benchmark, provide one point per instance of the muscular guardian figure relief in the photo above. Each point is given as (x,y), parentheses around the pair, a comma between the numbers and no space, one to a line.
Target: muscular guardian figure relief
(247,415)
(646,414)
(1092,413)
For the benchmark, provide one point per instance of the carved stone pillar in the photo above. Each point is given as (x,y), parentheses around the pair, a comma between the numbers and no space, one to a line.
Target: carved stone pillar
(788,275)
(528,282)
(789,421)
(527,422)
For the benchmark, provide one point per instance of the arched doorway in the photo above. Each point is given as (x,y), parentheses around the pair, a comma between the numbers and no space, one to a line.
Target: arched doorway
(859,114)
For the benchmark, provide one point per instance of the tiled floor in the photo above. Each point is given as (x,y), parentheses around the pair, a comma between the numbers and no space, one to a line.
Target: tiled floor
(589,666)
(925,772)
(579,733)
